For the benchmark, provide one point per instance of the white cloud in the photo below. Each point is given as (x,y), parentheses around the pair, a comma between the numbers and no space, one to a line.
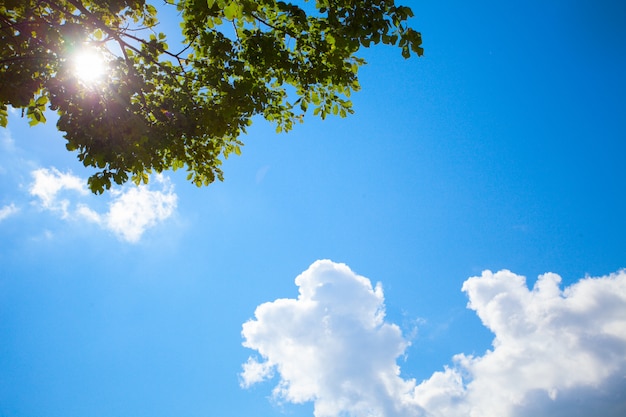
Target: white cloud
(548,343)
(555,352)
(7,211)
(6,141)
(132,210)
(255,371)
(330,346)
(49,184)
(136,209)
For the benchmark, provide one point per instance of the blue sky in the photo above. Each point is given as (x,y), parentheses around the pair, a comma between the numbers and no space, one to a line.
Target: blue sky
(502,149)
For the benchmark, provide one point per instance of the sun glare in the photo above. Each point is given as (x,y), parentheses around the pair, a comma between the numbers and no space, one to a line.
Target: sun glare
(89,66)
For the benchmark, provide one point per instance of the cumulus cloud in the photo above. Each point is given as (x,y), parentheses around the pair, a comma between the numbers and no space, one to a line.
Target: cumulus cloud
(331,346)
(7,211)
(555,352)
(551,346)
(131,211)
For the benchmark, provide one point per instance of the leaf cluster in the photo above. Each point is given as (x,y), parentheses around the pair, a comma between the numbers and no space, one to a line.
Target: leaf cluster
(160,108)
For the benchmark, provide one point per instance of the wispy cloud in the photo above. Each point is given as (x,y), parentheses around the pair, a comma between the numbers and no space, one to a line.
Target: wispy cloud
(555,352)
(7,211)
(131,211)
(261,173)
(50,185)
(134,210)
(6,141)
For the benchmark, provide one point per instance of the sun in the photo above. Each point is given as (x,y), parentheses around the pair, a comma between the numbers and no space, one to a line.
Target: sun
(89,66)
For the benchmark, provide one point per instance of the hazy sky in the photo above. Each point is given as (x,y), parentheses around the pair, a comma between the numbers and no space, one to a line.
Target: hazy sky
(455,248)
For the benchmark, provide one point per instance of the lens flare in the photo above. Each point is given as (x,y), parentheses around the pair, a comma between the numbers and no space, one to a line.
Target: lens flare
(89,66)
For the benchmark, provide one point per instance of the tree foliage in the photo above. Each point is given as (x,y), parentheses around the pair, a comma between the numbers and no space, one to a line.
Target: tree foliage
(159,107)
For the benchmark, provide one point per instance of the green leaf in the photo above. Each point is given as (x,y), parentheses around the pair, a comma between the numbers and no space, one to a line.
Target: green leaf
(158,108)
(315,98)
(232,11)
(41,101)
(4,116)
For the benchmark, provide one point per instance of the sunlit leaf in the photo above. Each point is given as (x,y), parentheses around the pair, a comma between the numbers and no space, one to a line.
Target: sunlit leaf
(156,108)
